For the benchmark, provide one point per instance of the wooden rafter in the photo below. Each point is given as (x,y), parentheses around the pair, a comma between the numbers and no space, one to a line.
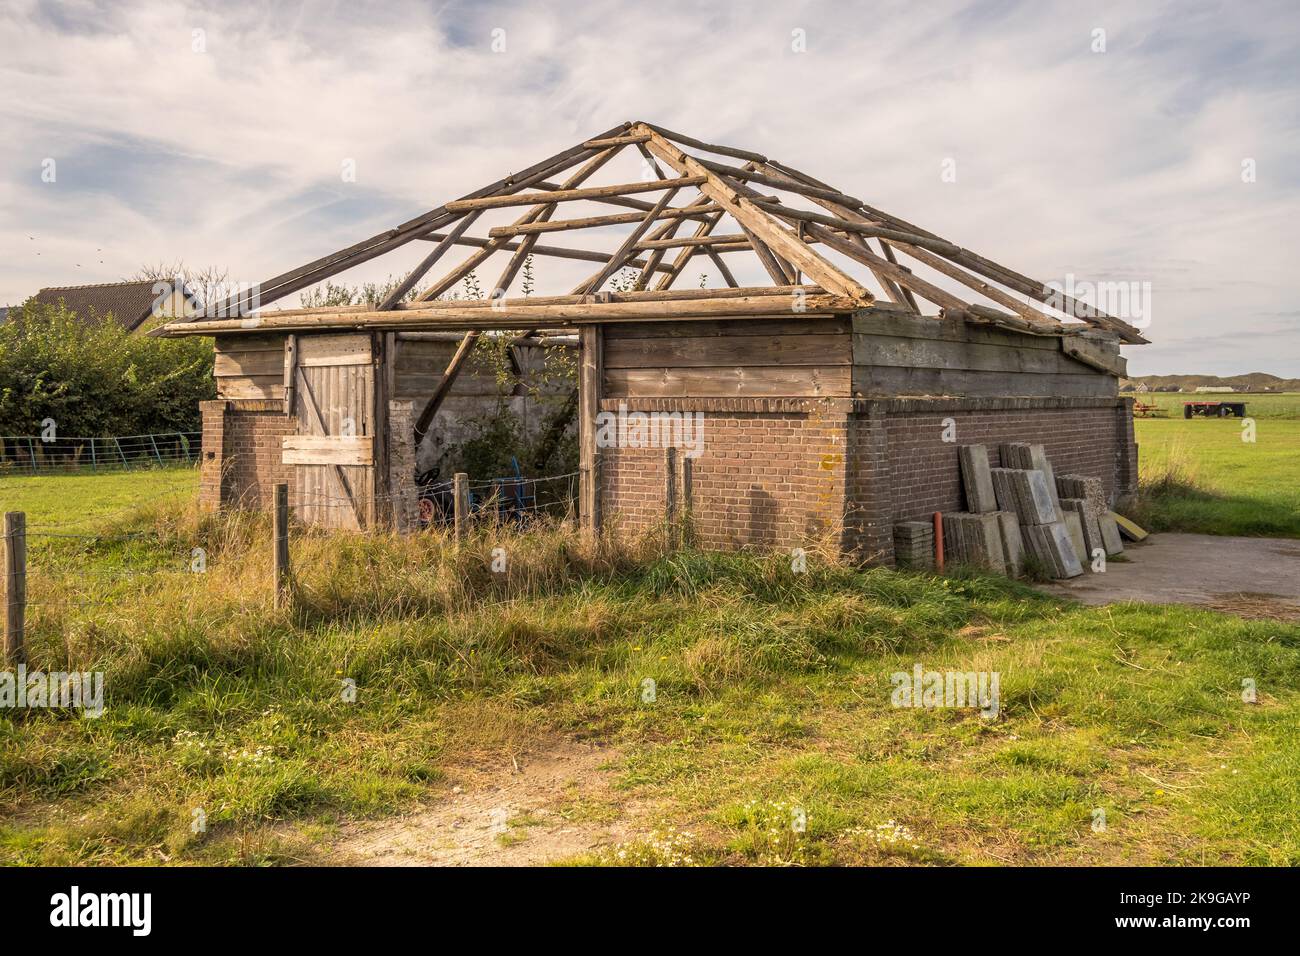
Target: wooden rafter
(775,225)
(756,221)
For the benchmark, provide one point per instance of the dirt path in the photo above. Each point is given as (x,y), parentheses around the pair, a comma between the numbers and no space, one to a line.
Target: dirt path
(1252,577)
(558,803)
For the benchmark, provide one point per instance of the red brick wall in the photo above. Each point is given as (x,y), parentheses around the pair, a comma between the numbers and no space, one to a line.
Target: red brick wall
(242,449)
(781,473)
(771,473)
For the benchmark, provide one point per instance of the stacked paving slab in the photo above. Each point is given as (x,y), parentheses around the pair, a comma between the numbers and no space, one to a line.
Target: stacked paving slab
(1018,509)
(1087,496)
(914,544)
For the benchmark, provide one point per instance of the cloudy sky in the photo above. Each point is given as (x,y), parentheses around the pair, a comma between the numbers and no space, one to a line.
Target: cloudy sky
(1114,142)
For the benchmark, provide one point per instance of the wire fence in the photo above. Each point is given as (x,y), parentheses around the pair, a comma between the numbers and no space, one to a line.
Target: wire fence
(27,454)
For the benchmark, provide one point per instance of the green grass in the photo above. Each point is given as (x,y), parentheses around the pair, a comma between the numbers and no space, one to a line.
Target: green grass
(1199,475)
(773,695)
(85,499)
(1258,405)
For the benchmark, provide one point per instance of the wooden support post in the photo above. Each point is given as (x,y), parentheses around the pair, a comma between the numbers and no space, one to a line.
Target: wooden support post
(280,535)
(15,586)
(670,497)
(590,373)
(460,504)
(688,500)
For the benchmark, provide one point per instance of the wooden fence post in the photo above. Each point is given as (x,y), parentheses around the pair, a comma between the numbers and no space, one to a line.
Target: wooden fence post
(460,504)
(670,496)
(281,536)
(15,585)
(688,499)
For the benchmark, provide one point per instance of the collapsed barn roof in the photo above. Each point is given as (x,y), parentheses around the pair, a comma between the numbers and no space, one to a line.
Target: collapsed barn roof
(814,242)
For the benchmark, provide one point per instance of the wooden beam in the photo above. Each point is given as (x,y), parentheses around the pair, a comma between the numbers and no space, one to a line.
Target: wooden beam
(614,141)
(624,252)
(416,274)
(571,195)
(319,269)
(649,244)
(750,175)
(993,270)
(674,295)
(594,222)
(755,220)
(715,303)
(556,252)
(932,292)
(685,256)
(591,374)
(449,375)
(627,202)
(684,140)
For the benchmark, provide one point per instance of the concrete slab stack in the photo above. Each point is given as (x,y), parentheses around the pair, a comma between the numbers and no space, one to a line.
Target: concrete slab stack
(914,544)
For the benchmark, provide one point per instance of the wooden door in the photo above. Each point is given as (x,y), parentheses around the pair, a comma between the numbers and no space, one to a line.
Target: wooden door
(333,398)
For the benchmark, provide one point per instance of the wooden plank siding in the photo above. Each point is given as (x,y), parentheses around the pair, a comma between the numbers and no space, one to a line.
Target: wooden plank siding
(249,366)
(754,357)
(903,356)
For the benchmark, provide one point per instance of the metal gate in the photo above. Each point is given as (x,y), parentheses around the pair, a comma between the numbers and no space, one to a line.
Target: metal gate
(330,388)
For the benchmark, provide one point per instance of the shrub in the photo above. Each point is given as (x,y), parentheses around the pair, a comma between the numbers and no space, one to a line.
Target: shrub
(93,378)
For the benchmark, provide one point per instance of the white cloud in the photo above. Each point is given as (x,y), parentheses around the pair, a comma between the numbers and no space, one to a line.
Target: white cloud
(1118,165)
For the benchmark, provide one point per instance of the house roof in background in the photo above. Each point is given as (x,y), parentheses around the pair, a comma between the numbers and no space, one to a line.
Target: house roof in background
(130,303)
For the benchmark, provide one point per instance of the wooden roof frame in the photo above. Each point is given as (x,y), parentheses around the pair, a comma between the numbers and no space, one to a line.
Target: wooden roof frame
(784,238)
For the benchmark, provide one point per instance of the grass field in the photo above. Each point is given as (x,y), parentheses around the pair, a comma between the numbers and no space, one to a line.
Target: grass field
(773,692)
(1258,405)
(1199,474)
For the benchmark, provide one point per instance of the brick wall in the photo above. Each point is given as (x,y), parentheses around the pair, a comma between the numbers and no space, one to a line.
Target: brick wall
(242,449)
(770,475)
(900,454)
(781,473)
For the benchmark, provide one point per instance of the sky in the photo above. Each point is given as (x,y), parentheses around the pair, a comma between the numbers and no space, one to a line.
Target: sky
(1156,144)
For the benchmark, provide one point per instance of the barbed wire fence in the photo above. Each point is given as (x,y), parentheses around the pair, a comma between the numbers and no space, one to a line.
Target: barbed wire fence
(35,454)
(69,583)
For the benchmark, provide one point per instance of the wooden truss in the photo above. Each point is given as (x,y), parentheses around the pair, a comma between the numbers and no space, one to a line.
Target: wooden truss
(783,217)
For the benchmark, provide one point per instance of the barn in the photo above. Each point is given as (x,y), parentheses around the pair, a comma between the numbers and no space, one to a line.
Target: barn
(814,386)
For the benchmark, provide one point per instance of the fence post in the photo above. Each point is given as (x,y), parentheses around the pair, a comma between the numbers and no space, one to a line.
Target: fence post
(688,499)
(460,504)
(15,585)
(670,495)
(281,543)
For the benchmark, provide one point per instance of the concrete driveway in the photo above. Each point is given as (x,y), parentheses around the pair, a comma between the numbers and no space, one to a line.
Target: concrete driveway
(1253,577)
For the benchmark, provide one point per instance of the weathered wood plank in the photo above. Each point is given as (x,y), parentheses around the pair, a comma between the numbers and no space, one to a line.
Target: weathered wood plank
(883,381)
(242,364)
(885,350)
(943,330)
(813,325)
(262,387)
(703,351)
(753,381)
(328,450)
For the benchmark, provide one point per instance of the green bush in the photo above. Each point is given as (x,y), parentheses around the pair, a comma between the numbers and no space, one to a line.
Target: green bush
(93,378)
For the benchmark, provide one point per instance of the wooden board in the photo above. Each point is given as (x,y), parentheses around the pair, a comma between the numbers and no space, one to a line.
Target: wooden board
(701,351)
(946,330)
(751,381)
(891,382)
(249,366)
(263,387)
(893,351)
(328,450)
(335,402)
(785,325)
